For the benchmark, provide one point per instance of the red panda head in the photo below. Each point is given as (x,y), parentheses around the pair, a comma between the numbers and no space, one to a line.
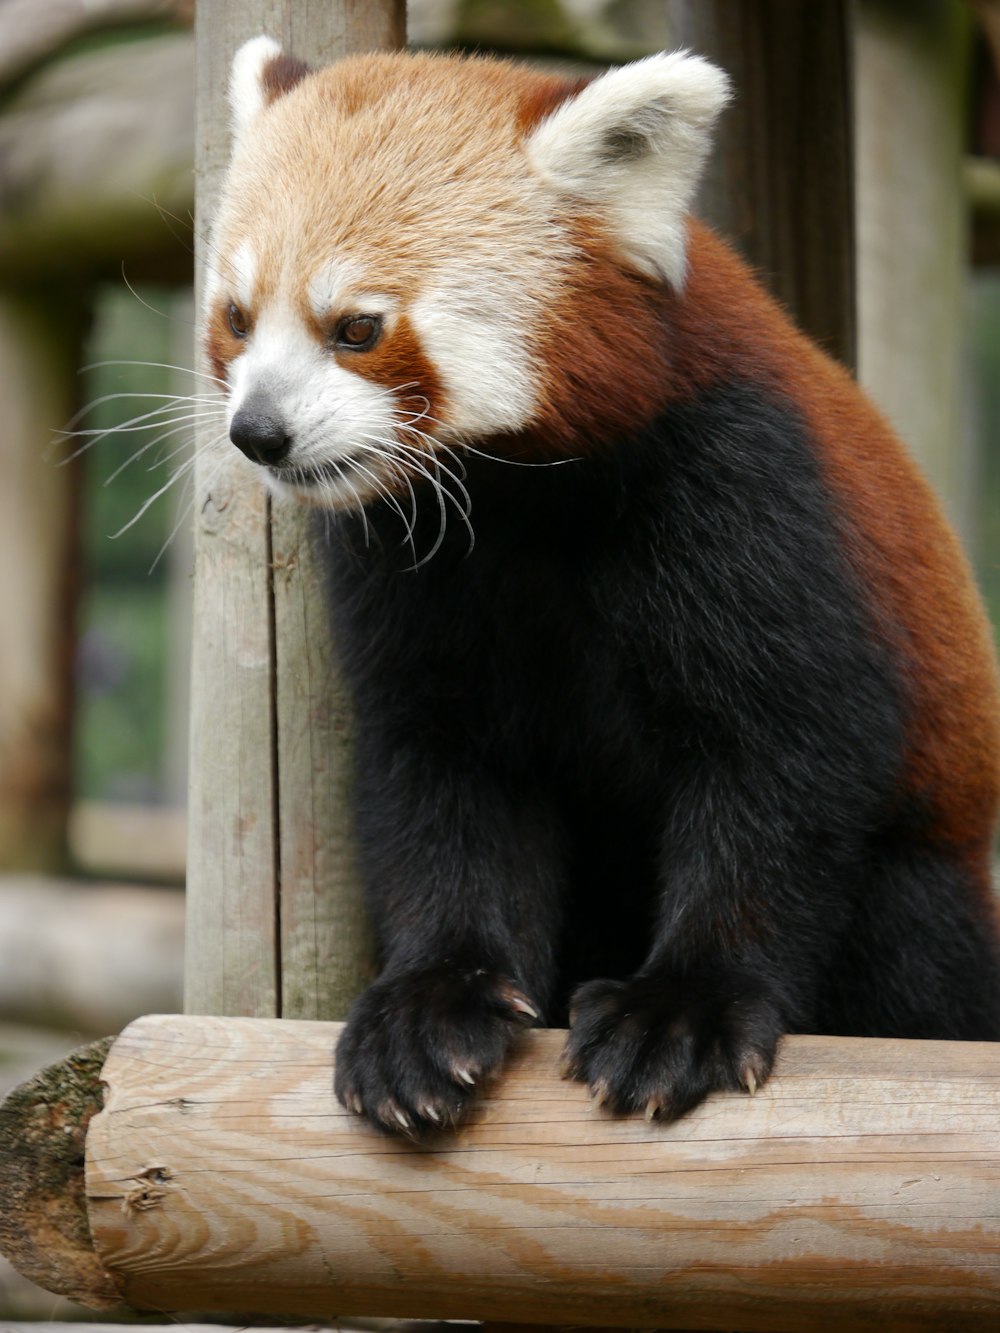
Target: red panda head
(417,251)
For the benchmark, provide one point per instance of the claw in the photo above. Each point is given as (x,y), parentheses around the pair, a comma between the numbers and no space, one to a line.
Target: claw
(463,1075)
(653,1108)
(567,1065)
(521,1005)
(431,1113)
(389,1111)
(600,1093)
(750,1079)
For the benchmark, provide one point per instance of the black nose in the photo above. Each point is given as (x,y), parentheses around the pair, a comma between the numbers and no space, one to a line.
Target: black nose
(262,438)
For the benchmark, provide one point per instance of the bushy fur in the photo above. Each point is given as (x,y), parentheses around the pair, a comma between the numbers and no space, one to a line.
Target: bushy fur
(687,731)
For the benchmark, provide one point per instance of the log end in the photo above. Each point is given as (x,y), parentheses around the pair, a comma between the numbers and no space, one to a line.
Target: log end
(44,1230)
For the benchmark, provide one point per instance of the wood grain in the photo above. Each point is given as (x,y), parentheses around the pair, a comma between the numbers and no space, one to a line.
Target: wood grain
(326,944)
(860,1190)
(913,233)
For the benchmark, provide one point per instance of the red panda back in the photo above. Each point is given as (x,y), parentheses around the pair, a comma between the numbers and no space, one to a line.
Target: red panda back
(907,556)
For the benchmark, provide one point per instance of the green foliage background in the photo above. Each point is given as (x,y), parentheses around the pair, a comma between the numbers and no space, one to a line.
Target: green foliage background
(123,611)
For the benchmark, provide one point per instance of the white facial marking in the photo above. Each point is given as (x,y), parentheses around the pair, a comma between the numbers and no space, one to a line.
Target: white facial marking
(212,284)
(243,275)
(333,285)
(338,422)
(471,324)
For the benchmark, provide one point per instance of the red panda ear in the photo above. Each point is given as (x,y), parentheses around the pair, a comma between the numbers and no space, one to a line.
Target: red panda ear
(260,74)
(632,144)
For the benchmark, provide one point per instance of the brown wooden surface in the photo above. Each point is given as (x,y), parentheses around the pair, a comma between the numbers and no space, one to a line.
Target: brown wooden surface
(859,1190)
(274,907)
(781,181)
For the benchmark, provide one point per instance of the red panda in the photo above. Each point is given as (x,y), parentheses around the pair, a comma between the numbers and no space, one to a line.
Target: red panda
(676,710)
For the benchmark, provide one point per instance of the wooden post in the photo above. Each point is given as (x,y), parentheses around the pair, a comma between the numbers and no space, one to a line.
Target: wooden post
(781,181)
(913,241)
(858,1190)
(275,918)
(40,333)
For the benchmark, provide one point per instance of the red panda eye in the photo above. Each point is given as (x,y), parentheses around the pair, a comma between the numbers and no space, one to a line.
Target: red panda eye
(238,322)
(358,332)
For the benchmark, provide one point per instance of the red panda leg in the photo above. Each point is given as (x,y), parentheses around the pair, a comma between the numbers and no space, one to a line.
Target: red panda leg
(465,884)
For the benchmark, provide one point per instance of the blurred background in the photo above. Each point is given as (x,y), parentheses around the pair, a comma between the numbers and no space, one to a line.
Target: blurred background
(97,329)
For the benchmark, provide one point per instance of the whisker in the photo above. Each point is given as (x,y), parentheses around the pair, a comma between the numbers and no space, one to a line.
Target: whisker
(142,509)
(199,400)
(176,319)
(132,458)
(156,365)
(185,514)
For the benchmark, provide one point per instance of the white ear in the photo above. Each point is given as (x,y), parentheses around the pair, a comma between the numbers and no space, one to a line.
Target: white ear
(247,94)
(633,143)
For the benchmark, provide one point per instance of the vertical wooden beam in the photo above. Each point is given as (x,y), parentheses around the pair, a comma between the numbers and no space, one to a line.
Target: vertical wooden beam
(913,67)
(781,182)
(274,917)
(40,334)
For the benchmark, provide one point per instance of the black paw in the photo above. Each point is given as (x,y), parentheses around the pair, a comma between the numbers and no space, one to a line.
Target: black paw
(418,1045)
(661,1044)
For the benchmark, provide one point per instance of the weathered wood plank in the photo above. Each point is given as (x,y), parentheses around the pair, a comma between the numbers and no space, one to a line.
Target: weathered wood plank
(326,947)
(912,74)
(231,949)
(859,1190)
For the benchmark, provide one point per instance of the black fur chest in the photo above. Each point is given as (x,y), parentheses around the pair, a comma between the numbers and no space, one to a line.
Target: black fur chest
(506,651)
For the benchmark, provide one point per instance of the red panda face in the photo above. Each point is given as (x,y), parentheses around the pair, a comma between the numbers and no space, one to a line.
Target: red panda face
(397,237)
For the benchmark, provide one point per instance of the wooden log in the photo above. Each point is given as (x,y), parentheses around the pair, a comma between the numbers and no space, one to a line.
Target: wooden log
(275,917)
(88,957)
(43,1221)
(859,1190)
(31,32)
(92,148)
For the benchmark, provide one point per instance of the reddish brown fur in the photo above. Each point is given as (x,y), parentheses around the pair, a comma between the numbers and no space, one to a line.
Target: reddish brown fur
(605,350)
(621,349)
(218,340)
(725,326)
(280,75)
(546,96)
(397,360)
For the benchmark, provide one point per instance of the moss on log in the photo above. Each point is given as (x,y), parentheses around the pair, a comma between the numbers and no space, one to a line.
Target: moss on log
(44,1230)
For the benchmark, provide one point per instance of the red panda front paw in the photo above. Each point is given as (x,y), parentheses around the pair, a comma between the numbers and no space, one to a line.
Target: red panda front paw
(660,1044)
(419,1045)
